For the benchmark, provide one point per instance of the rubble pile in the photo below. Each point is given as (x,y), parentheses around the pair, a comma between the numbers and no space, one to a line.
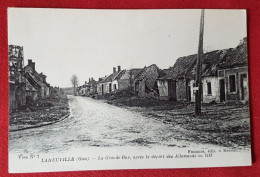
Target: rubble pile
(42,112)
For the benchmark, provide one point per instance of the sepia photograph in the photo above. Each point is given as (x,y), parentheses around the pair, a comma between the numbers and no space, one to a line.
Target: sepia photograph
(127,89)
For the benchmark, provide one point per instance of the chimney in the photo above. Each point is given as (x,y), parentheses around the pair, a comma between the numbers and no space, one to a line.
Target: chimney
(118,68)
(43,77)
(29,62)
(33,66)
(92,79)
(88,79)
(85,82)
(114,69)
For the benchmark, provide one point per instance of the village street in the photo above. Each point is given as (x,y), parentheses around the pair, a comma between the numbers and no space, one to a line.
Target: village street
(97,124)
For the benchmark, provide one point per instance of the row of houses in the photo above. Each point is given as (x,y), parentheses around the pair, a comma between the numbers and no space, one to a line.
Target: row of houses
(118,80)
(224,78)
(88,89)
(26,85)
(142,81)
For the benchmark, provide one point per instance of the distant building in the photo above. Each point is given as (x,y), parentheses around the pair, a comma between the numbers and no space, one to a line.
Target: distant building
(92,87)
(125,79)
(105,85)
(118,80)
(81,90)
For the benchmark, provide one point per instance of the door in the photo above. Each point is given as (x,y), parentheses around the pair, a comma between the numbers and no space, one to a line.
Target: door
(110,87)
(136,87)
(188,93)
(172,90)
(102,89)
(244,87)
(222,90)
(19,97)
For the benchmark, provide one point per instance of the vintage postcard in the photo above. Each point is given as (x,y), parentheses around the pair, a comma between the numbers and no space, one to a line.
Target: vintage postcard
(127,89)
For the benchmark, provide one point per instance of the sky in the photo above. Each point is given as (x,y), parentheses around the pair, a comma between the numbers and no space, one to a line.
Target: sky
(89,43)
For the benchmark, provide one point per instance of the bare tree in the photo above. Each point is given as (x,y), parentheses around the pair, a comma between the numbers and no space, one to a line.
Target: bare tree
(75,81)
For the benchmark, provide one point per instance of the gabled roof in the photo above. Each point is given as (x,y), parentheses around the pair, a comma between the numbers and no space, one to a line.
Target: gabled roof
(109,78)
(235,57)
(210,61)
(29,86)
(135,71)
(33,80)
(38,76)
(92,82)
(181,67)
(186,66)
(119,75)
(148,75)
(164,72)
(143,73)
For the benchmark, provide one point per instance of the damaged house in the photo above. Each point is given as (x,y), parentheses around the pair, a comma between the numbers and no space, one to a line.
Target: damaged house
(179,83)
(210,87)
(17,85)
(36,82)
(118,80)
(92,87)
(233,74)
(224,75)
(220,69)
(26,85)
(145,83)
(175,84)
(88,88)
(99,85)
(125,79)
(81,90)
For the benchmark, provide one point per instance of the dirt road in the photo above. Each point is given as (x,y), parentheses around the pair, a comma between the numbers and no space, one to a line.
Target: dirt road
(95,123)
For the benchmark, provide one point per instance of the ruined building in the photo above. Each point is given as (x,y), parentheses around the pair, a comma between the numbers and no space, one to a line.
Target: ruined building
(17,86)
(224,77)
(26,85)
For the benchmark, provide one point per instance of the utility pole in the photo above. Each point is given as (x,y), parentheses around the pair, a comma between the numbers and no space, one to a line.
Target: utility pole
(198,83)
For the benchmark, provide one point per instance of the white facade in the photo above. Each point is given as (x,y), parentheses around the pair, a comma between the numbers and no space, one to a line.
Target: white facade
(210,89)
(114,85)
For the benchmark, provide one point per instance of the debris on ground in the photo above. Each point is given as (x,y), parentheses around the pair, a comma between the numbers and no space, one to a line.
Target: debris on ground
(224,124)
(42,112)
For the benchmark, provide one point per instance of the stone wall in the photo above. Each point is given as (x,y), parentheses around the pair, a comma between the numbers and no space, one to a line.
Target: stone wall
(163,88)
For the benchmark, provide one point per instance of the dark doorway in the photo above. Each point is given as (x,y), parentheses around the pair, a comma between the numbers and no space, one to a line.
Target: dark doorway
(136,87)
(244,88)
(172,90)
(222,90)
(29,100)
(188,93)
(110,87)
(102,89)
